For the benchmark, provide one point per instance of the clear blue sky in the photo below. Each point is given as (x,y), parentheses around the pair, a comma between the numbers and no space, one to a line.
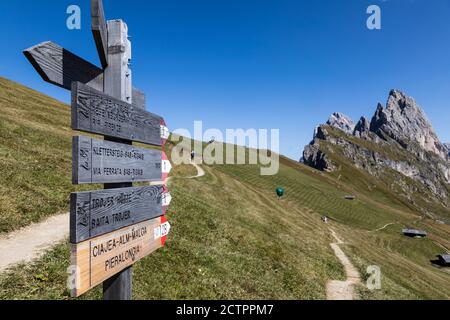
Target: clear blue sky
(256,63)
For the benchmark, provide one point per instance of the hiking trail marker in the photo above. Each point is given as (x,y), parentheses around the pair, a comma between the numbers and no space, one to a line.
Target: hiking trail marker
(110,229)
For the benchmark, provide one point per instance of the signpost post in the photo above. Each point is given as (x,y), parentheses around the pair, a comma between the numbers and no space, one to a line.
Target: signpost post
(110,229)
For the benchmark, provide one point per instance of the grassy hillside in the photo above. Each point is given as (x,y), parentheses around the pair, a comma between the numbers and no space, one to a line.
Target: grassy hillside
(231,237)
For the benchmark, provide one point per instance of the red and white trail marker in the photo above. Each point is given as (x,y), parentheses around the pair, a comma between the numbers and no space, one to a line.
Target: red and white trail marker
(166,167)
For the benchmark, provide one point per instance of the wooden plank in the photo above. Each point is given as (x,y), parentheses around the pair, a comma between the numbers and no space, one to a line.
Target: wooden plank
(138,99)
(100,30)
(60,67)
(97,161)
(96,213)
(101,258)
(96,112)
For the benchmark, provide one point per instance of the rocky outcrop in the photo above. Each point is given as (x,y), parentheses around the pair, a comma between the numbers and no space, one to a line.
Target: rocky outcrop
(404,121)
(342,122)
(399,137)
(362,128)
(447,145)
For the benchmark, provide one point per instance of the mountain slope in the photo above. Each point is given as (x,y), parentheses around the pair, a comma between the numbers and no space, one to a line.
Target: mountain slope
(398,147)
(231,237)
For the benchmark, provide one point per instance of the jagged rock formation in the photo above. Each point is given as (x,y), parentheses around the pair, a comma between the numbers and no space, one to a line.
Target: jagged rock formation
(362,128)
(447,145)
(399,138)
(404,121)
(342,122)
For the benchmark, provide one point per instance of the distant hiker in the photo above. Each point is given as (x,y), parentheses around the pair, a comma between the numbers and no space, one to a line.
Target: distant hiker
(192,155)
(325,219)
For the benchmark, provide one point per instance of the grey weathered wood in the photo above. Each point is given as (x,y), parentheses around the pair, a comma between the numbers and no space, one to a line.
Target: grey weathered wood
(95,112)
(100,30)
(118,76)
(138,99)
(99,212)
(116,82)
(119,287)
(60,67)
(96,161)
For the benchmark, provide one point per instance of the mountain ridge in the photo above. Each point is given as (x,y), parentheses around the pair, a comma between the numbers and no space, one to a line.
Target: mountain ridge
(398,137)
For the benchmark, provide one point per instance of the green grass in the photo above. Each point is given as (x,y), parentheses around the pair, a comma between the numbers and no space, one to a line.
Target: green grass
(231,237)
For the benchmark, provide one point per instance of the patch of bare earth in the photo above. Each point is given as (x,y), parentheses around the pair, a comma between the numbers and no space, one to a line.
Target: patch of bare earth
(343,290)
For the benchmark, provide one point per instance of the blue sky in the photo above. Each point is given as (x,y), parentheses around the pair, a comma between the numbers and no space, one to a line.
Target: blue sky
(256,63)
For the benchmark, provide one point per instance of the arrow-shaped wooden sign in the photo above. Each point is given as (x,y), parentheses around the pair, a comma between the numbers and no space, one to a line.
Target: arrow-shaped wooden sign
(102,257)
(61,67)
(99,212)
(99,161)
(95,112)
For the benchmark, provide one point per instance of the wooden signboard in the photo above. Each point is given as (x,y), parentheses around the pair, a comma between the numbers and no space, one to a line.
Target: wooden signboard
(95,112)
(99,212)
(61,67)
(100,258)
(98,161)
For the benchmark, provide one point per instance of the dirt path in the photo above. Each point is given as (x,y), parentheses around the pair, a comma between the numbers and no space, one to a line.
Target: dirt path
(30,243)
(382,228)
(200,171)
(342,290)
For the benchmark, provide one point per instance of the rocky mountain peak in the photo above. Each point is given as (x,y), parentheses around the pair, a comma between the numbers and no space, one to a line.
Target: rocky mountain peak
(405,122)
(341,122)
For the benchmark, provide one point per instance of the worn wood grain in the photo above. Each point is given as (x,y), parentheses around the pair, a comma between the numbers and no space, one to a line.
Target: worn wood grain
(100,30)
(96,112)
(97,161)
(60,67)
(99,212)
(138,99)
(101,258)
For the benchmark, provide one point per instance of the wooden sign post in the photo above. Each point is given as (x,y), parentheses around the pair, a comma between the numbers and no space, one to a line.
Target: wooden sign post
(110,229)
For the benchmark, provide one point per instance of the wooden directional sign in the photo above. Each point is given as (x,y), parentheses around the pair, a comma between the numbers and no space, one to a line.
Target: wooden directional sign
(100,30)
(95,112)
(99,259)
(61,67)
(98,161)
(99,212)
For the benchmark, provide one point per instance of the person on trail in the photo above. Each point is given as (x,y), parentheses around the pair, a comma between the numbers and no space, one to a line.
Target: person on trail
(325,219)
(192,155)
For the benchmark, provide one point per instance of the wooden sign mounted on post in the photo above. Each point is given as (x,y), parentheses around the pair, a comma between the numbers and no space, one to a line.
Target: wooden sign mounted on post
(61,67)
(96,112)
(99,212)
(97,161)
(101,258)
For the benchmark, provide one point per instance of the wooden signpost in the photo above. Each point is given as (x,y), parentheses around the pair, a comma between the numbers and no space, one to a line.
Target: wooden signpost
(110,229)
